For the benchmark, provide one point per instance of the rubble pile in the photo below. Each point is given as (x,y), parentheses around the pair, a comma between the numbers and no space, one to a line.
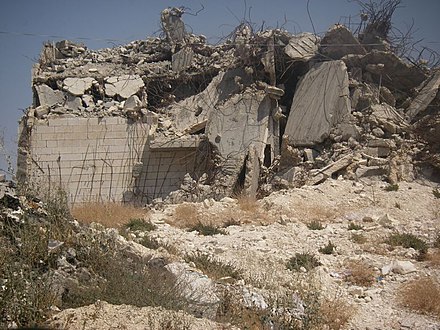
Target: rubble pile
(269,109)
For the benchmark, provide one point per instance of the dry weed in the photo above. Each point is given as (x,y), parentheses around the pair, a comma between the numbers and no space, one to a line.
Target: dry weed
(109,214)
(247,203)
(434,258)
(185,216)
(422,295)
(335,313)
(360,273)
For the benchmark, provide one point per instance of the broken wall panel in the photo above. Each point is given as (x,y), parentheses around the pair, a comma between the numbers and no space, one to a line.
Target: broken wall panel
(321,101)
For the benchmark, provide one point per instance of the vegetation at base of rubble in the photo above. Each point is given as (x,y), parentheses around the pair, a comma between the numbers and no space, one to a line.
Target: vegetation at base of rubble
(213,267)
(231,222)
(328,249)
(108,214)
(306,260)
(315,225)
(360,273)
(408,240)
(354,226)
(207,230)
(138,224)
(436,192)
(358,238)
(421,295)
(392,187)
(26,261)
(335,313)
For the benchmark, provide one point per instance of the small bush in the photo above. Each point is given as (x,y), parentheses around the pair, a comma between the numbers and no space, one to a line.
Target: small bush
(407,240)
(358,238)
(185,216)
(149,242)
(328,249)
(392,187)
(315,225)
(247,203)
(422,295)
(139,225)
(306,260)
(360,274)
(353,226)
(436,192)
(207,230)
(335,313)
(212,267)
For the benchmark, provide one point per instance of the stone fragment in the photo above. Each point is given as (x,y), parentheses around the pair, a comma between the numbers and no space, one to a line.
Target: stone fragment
(124,86)
(133,103)
(399,267)
(426,95)
(77,86)
(41,111)
(369,171)
(302,47)
(2,179)
(47,96)
(73,103)
(327,171)
(69,49)
(388,118)
(321,101)
(88,100)
(338,42)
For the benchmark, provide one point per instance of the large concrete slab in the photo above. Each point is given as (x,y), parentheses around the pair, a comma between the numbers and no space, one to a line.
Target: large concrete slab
(425,97)
(321,101)
(239,129)
(49,97)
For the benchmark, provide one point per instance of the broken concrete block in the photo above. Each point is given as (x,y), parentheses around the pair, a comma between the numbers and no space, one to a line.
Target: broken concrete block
(321,101)
(49,97)
(369,171)
(327,171)
(41,111)
(425,96)
(388,70)
(172,24)
(338,42)
(77,86)
(88,100)
(399,267)
(302,47)
(182,60)
(73,103)
(133,103)
(124,86)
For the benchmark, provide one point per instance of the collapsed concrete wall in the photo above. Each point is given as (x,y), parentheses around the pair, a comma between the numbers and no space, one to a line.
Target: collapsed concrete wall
(180,118)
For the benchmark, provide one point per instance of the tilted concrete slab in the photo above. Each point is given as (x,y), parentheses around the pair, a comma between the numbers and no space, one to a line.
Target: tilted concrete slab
(302,47)
(191,114)
(239,127)
(321,101)
(124,86)
(425,97)
(338,42)
(77,86)
(49,97)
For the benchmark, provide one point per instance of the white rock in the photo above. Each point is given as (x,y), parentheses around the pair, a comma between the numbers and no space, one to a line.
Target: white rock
(399,267)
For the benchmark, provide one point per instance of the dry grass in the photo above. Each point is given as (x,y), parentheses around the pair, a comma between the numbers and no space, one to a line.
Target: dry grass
(422,295)
(360,273)
(185,216)
(247,203)
(335,313)
(434,258)
(109,214)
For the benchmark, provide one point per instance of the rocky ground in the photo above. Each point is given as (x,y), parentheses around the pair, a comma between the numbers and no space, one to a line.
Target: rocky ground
(265,234)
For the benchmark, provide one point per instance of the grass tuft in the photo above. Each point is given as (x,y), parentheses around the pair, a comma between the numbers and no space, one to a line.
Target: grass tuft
(392,187)
(315,225)
(207,230)
(328,249)
(354,226)
(306,260)
(360,273)
(422,295)
(408,240)
(212,267)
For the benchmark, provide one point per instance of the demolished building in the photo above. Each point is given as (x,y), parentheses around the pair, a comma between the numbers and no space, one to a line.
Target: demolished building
(178,117)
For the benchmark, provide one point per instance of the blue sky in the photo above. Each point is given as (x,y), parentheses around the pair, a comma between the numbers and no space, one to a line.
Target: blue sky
(123,21)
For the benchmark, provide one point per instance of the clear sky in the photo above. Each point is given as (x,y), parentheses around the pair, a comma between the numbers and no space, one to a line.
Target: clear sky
(26,24)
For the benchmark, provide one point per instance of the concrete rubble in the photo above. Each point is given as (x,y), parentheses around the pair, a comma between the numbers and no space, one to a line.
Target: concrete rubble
(241,114)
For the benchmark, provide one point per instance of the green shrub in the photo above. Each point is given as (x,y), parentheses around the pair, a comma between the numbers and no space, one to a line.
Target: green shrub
(407,240)
(315,225)
(392,187)
(328,249)
(139,225)
(207,230)
(212,267)
(306,260)
(149,242)
(353,226)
